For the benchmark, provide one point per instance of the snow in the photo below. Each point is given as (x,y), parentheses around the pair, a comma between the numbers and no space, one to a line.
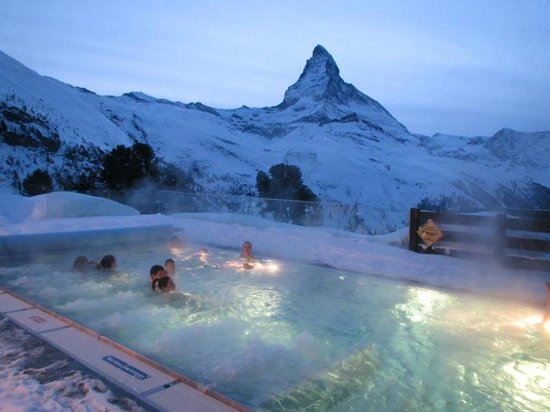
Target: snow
(379,164)
(384,256)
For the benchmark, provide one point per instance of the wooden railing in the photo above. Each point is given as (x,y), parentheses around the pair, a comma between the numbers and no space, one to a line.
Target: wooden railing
(515,237)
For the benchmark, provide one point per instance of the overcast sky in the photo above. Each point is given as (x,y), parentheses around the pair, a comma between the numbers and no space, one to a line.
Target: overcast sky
(457,67)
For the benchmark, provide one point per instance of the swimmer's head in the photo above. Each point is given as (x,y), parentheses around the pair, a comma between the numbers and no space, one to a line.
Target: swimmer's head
(247,250)
(80,264)
(108,262)
(157,271)
(170,266)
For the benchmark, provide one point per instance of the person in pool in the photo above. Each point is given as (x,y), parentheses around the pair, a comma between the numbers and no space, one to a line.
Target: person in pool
(107,264)
(170,267)
(160,281)
(247,251)
(247,254)
(165,285)
(156,272)
(176,244)
(82,264)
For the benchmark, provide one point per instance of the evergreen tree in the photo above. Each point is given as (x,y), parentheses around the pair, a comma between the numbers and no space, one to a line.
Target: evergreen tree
(124,166)
(37,183)
(284,182)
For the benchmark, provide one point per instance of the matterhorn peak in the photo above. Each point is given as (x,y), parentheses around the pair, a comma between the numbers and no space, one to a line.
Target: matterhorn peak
(320,50)
(321,82)
(322,91)
(320,74)
(322,59)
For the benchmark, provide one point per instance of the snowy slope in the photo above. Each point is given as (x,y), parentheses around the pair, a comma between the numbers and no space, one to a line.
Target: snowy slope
(61,104)
(350,149)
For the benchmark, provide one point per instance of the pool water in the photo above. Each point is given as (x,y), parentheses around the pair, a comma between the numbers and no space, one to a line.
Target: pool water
(291,336)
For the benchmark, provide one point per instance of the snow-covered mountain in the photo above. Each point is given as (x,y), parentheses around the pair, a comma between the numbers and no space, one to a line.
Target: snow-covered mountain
(349,148)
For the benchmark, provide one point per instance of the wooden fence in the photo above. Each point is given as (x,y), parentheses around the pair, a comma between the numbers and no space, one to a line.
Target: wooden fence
(515,237)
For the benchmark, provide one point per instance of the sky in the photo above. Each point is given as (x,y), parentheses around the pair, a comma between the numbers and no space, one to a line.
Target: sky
(457,67)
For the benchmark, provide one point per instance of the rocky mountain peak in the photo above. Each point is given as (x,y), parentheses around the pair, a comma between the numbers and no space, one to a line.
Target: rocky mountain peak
(322,63)
(320,81)
(326,95)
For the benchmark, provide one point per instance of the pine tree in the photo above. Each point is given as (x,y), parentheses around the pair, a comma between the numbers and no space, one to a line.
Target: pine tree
(284,182)
(37,183)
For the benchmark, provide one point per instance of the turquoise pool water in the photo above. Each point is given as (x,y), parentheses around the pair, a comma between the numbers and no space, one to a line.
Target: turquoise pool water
(291,336)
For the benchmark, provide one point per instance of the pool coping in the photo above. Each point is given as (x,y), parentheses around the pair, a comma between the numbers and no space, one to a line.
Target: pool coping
(25,244)
(147,380)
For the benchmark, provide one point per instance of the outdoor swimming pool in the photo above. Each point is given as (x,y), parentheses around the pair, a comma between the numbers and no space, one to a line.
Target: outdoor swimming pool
(302,337)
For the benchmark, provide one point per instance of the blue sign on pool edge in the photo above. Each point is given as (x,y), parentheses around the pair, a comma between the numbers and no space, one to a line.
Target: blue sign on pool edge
(129,369)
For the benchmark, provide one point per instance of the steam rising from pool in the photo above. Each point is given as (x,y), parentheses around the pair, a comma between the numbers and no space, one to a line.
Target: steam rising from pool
(303,337)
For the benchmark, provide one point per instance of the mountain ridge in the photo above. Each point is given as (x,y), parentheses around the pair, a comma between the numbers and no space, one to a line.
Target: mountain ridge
(351,150)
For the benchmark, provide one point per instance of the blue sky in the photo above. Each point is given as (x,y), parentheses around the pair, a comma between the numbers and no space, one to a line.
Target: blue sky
(457,67)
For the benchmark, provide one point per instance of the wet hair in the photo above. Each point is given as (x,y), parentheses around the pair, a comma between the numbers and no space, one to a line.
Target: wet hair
(81,264)
(155,269)
(247,250)
(169,260)
(108,262)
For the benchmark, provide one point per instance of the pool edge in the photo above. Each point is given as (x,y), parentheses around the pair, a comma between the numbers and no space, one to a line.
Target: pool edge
(50,326)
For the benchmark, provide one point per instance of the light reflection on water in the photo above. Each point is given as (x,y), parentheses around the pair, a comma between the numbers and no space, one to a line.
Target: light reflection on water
(305,337)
